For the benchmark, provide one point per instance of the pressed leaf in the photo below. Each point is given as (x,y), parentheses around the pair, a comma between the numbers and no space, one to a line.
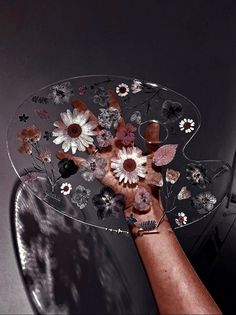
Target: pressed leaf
(154,178)
(184,193)
(165,154)
(131,219)
(172,176)
(148,225)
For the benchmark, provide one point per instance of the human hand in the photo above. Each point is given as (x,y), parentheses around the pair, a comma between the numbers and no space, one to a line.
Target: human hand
(128,190)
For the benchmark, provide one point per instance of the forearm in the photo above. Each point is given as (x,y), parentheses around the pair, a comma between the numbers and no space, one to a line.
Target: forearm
(176,286)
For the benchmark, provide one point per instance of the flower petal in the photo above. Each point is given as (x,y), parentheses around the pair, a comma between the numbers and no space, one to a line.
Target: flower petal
(66,145)
(59,139)
(67,117)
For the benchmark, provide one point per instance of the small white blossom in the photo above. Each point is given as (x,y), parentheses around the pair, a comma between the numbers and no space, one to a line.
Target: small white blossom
(182,219)
(66,188)
(187,125)
(122,89)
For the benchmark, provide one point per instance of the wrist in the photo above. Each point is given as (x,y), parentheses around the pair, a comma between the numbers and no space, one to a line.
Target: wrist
(151,221)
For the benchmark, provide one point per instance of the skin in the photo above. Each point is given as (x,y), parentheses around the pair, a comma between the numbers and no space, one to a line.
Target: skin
(176,286)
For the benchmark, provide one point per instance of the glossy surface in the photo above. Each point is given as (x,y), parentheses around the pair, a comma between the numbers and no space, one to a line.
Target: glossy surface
(44,125)
(70,268)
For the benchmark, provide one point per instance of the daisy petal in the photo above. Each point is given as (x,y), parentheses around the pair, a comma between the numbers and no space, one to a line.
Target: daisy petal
(84,118)
(66,145)
(74,130)
(59,139)
(58,132)
(65,118)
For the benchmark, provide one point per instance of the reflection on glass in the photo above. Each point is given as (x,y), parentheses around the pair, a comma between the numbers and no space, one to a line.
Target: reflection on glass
(69,268)
(82,118)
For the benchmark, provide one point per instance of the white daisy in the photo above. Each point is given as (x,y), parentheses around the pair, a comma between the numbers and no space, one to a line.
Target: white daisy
(66,188)
(122,89)
(182,219)
(187,125)
(74,131)
(128,166)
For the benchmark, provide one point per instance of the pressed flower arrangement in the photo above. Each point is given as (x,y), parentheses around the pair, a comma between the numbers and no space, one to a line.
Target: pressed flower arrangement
(79,145)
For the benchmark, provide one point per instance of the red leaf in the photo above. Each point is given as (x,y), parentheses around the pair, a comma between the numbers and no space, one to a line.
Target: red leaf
(165,154)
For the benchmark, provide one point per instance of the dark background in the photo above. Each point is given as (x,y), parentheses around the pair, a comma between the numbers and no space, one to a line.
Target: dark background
(188,46)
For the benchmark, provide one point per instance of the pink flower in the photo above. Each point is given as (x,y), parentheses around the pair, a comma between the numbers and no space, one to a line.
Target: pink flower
(82,89)
(104,138)
(126,134)
(30,177)
(42,113)
(142,199)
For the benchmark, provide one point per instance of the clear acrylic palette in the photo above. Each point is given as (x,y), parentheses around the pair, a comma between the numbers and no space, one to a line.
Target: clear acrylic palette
(190,190)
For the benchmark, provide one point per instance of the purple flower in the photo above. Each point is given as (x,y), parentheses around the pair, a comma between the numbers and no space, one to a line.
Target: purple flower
(101,97)
(94,167)
(172,111)
(142,199)
(108,203)
(126,134)
(104,138)
(81,196)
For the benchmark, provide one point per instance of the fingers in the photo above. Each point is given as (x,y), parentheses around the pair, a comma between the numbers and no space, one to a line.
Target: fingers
(82,107)
(113,102)
(152,136)
(91,149)
(62,155)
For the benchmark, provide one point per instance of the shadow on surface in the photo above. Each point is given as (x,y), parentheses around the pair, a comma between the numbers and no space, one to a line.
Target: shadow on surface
(67,267)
